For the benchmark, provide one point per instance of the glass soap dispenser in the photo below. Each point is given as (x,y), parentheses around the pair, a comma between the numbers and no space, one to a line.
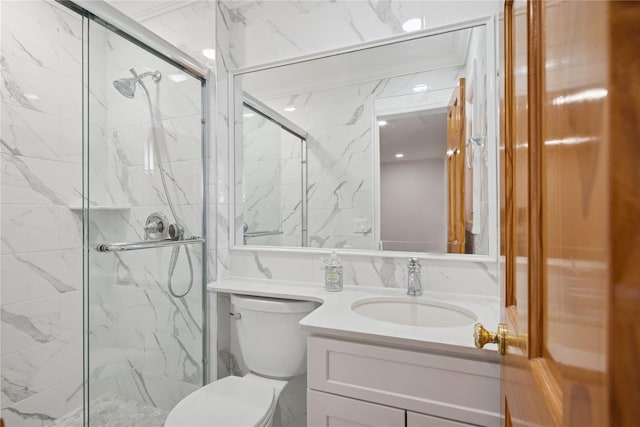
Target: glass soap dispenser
(333,273)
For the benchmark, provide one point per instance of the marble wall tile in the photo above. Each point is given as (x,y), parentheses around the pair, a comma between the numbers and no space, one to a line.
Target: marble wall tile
(292,404)
(269,31)
(158,353)
(225,363)
(27,85)
(30,228)
(33,181)
(41,154)
(30,133)
(259,32)
(254,33)
(46,35)
(466,277)
(271,265)
(190,28)
(36,322)
(35,370)
(38,409)
(474,278)
(157,311)
(38,274)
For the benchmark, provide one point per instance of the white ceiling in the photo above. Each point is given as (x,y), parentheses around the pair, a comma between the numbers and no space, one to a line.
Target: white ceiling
(141,10)
(420,135)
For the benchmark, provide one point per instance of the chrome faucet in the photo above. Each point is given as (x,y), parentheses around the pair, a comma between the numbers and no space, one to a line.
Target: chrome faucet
(414,282)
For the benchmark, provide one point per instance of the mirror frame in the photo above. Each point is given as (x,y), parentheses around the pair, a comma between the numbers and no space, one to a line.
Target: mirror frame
(492,141)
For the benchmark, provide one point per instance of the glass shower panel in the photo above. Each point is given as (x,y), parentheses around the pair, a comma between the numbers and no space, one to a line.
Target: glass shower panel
(145,184)
(40,216)
(269,183)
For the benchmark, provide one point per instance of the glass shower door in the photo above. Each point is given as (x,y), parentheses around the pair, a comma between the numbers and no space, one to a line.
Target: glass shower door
(143,202)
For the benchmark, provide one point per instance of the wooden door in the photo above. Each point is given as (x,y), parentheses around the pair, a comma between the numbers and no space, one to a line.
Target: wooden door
(570,172)
(455,171)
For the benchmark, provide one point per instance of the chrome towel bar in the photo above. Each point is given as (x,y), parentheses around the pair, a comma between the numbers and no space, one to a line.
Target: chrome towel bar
(147,244)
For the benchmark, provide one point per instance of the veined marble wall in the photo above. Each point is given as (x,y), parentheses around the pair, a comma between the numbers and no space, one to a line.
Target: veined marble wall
(254,33)
(258,32)
(145,344)
(266,31)
(41,251)
(190,27)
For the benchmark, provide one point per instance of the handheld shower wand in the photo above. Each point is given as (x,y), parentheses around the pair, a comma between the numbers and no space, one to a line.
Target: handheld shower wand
(127,87)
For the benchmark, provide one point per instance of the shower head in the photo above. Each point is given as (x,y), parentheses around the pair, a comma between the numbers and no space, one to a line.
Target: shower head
(127,85)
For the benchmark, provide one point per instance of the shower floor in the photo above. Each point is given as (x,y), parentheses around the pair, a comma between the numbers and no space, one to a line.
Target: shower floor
(114,410)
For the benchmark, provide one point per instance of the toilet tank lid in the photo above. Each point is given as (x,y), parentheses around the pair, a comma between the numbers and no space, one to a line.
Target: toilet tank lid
(272,305)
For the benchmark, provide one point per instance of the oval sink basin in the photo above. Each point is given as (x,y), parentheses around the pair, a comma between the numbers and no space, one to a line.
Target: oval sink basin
(405,311)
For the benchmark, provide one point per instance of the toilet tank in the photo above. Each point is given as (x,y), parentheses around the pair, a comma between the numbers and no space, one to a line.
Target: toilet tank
(270,338)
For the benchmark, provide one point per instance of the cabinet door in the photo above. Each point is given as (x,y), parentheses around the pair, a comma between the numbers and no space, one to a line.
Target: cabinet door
(415,419)
(329,410)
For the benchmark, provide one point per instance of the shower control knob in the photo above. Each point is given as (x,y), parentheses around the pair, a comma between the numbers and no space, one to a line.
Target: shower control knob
(155,227)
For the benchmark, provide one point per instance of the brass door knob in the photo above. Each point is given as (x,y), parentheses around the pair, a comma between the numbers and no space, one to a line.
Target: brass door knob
(481,336)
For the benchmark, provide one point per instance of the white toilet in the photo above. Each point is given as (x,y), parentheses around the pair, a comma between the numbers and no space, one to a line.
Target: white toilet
(273,348)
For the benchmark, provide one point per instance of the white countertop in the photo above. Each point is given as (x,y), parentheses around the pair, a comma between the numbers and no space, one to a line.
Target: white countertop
(336,319)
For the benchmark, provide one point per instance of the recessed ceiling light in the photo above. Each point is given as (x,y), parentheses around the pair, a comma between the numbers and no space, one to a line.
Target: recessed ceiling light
(289,108)
(209,53)
(382,122)
(248,114)
(178,77)
(399,155)
(31,96)
(422,87)
(413,24)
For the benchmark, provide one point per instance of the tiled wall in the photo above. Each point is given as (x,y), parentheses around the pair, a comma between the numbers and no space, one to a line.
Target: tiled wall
(189,26)
(254,33)
(144,344)
(266,31)
(41,153)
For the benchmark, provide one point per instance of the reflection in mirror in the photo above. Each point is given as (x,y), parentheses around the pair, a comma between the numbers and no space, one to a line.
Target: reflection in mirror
(381,148)
(412,169)
(270,192)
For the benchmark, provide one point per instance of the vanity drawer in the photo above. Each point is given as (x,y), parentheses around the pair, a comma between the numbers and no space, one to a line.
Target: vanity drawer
(421,420)
(329,410)
(447,387)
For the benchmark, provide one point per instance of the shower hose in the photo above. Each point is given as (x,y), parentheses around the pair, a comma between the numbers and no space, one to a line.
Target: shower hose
(175,254)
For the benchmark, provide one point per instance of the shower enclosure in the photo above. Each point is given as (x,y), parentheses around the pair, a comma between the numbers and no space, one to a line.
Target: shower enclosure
(103,169)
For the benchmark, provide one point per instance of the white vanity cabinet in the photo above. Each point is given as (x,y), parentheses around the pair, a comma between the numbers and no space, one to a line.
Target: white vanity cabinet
(357,384)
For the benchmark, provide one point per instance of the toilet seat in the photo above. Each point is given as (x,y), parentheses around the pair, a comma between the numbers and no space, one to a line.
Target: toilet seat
(230,401)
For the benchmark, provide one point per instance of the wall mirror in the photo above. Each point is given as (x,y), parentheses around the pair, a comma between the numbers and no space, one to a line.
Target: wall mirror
(387,148)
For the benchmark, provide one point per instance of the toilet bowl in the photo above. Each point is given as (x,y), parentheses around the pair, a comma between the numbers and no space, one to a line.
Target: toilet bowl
(274,349)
